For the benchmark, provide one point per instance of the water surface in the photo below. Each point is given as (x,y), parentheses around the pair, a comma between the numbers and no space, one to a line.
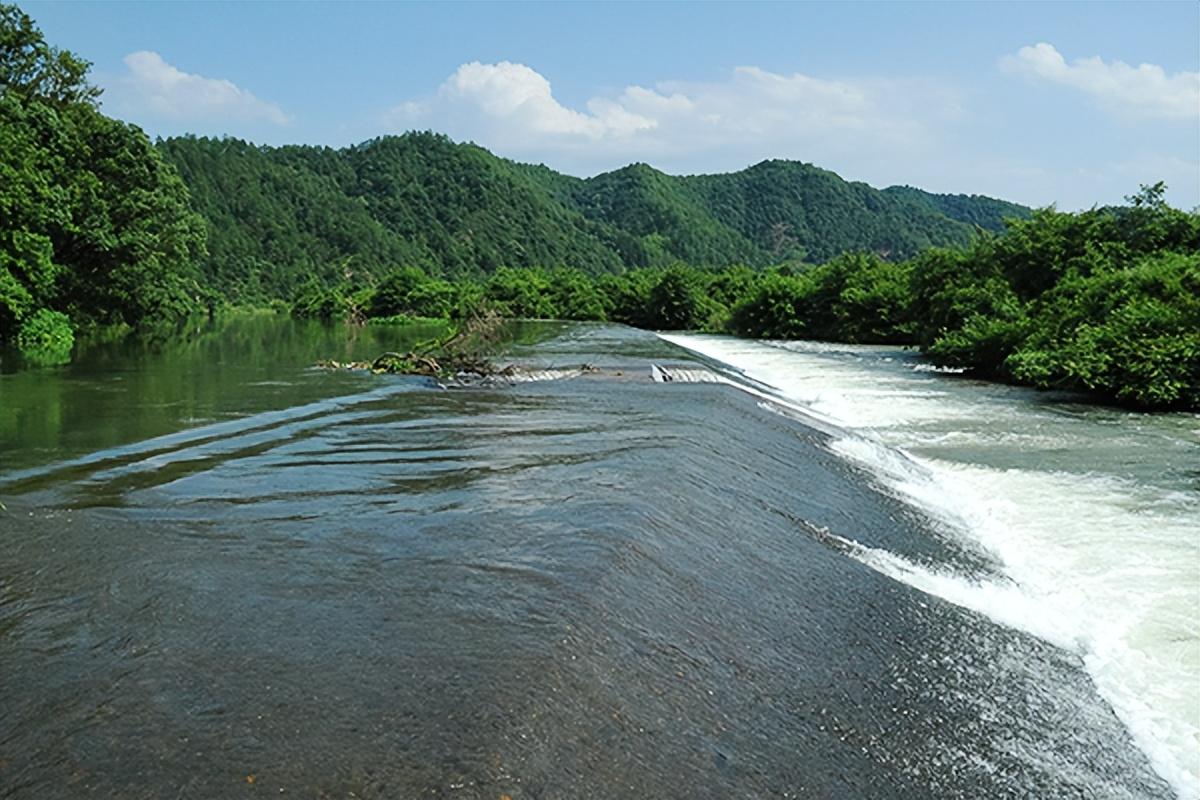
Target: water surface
(261,577)
(1093,512)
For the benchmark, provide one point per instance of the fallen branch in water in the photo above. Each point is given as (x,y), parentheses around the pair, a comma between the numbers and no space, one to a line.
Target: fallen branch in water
(463,353)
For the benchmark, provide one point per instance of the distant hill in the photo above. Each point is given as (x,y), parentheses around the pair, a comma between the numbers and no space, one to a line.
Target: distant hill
(973,209)
(794,210)
(278,216)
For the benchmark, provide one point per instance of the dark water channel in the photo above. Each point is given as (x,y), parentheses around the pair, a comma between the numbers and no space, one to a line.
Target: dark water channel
(226,574)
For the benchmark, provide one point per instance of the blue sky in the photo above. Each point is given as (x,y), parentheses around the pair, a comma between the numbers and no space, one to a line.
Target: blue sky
(1071,103)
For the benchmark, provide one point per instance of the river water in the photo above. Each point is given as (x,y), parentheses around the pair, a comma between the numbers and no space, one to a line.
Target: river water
(226,573)
(1093,513)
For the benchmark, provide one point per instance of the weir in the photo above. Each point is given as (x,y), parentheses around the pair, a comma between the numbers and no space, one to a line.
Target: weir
(1096,552)
(515,588)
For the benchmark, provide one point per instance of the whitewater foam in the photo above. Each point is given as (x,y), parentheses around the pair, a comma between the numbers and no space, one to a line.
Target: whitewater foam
(1096,562)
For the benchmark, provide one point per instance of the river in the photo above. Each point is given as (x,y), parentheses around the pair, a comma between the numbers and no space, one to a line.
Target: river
(792,571)
(1094,514)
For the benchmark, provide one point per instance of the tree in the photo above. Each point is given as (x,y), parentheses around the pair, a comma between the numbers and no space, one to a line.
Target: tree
(1149,196)
(524,293)
(393,295)
(678,301)
(93,223)
(36,70)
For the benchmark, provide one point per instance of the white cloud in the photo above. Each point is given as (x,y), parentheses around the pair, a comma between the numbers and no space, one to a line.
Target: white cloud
(749,115)
(1144,90)
(518,99)
(928,133)
(154,87)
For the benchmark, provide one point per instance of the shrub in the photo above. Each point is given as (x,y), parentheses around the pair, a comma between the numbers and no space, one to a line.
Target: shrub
(314,301)
(47,337)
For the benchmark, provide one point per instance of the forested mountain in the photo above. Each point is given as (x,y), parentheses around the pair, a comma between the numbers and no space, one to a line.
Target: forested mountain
(97,225)
(986,212)
(668,216)
(278,216)
(273,224)
(794,210)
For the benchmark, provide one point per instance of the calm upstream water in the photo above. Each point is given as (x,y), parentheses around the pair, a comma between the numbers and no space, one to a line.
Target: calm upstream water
(226,573)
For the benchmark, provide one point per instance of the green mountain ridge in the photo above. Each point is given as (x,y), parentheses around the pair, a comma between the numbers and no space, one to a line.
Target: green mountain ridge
(100,228)
(974,209)
(279,216)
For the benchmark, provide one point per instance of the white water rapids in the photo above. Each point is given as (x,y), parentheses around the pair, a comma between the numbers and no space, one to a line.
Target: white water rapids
(1093,513)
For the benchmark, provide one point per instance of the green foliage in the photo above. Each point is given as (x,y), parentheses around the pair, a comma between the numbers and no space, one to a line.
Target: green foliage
(354,215)
(576,296)
(792,211)
(856,297)
(434,298)
(679,301)
(27,277)
(314,301)
(871,302)
(34,69)
(93,223)
(667,219)
(777,308)
(728,286)
(392,294)
(679,297)
(411,292)
(627,296)
(46,337)
(1106,301)
(947,289)
(987,213)
(1132,334)
(521,293)
(132,241)
(982,339)
(278,216)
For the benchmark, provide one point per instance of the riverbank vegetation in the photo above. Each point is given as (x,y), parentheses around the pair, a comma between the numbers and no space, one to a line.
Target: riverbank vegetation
(95,227)
(1105,301)
(101,227)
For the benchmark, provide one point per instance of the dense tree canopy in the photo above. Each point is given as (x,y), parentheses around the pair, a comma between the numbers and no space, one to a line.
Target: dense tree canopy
(94,225)
(279,216)
(1106,300)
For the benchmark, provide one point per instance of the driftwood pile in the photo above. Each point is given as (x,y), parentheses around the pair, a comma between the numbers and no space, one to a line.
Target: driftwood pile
(464,353)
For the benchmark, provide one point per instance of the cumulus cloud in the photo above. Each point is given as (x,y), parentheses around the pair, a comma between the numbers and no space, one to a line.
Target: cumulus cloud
(931,133)
(517,100)
(154,87)
(751,113)
(516,93)
(1144,90)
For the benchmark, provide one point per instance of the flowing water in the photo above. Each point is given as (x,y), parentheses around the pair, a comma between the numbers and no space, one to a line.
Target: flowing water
(226,573)
(1093,513)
